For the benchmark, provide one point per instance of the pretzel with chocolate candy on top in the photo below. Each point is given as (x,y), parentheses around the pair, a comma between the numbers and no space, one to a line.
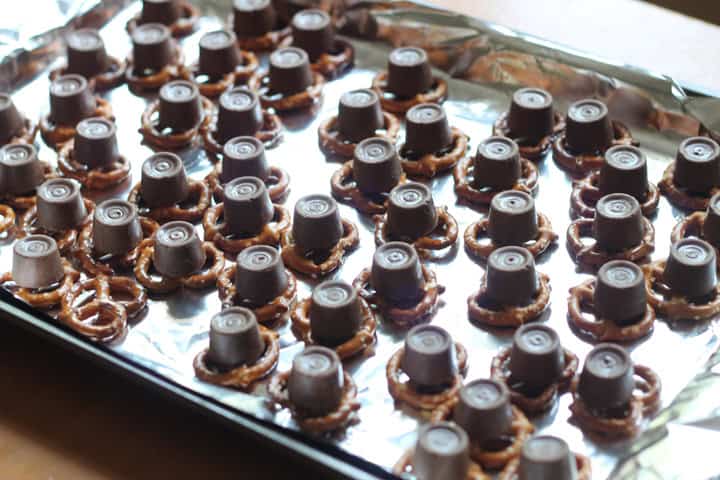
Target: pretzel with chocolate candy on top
(693,225)
(402,315)
(243,376)
(42,298)
(157,79)
(509,315)
(444,235)
(585,162)
(344,188)
(680,197)
(66,238)
(269,134)
(175,140)
(591,255)
(161,284)
(55,135)
(282,103)
(212,89)
(430,164)
(21,203)
(476,231)
(404,467)
(586,193)
(675,307)
(363,339)
(580,313)
(266,314)
(189,213)
(343,415)
(530,150)
(463,176)
(26,134)
(101,178)
(113,76)
(216,231)
(582,466)
(182,27)
(333,143)
(266,42)
(277,183)
(437,94)
(541,402)
(295,260)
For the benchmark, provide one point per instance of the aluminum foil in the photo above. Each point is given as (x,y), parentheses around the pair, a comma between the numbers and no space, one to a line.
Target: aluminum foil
(490,62)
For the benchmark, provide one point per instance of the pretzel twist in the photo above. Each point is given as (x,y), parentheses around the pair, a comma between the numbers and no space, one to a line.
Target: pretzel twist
(332,142)
(175,140)
(244,376)
(268,41)
(213,88)
(444,234)
(363,339)
(436,94)
(672,306)
(431,164)
(405,391)
(402,315)
(343,415)
(509,315)
(333,64)
(345,189)
(162,284)
(277,183)
(56,134)
(477,231)
(156,79)
(217,231)
(270,134)
(90,262)
(544,400)
(586,193)
(404,466)
(182,27)
(281,103)
(198,194)
(7,221)
(66,238)
(266,314)
(681,197)
(582,465)
(101,178)
(464,177)
(295,260)
(530,149)
(591,255)
(113,75)
(23,202)
(582,163)
(581,312)
(42,298)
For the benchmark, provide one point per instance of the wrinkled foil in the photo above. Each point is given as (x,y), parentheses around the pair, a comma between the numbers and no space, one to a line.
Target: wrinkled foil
(487,62)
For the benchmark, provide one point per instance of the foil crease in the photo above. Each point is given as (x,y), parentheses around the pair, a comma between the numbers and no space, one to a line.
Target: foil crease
(487,62)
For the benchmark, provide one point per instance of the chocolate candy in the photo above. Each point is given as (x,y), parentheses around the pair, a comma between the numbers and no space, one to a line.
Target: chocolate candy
(359,114)
(316,381)
(247,206)
(36,262)
(376,165)
(511,278)
(260,275)
(239,114)
(690,268)
(588,126)
(427,129)
(244,157)
(711,227)
(153,48)
(396,273)
(606,381)
(411,212)
(335,313)
(86,53)
(20,169)
(496,164)
(483,410)
(290,71)
(620,294)
(11,122)
(408,72)
(697,164)
(178,250)
(166,12)
(429,360)
(531,115)
(96,142)
(253,18)
(219,54)
(235,338)
(618,222)
(70,100)
(313,32)
(60,205)
(624,171)
(442,451)
(164,182)
(180,107)
(536,358)
(546,458)
(512,218)
(116,227)
(316,223)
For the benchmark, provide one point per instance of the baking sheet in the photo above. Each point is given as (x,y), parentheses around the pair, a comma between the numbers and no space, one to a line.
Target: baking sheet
(174,329)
